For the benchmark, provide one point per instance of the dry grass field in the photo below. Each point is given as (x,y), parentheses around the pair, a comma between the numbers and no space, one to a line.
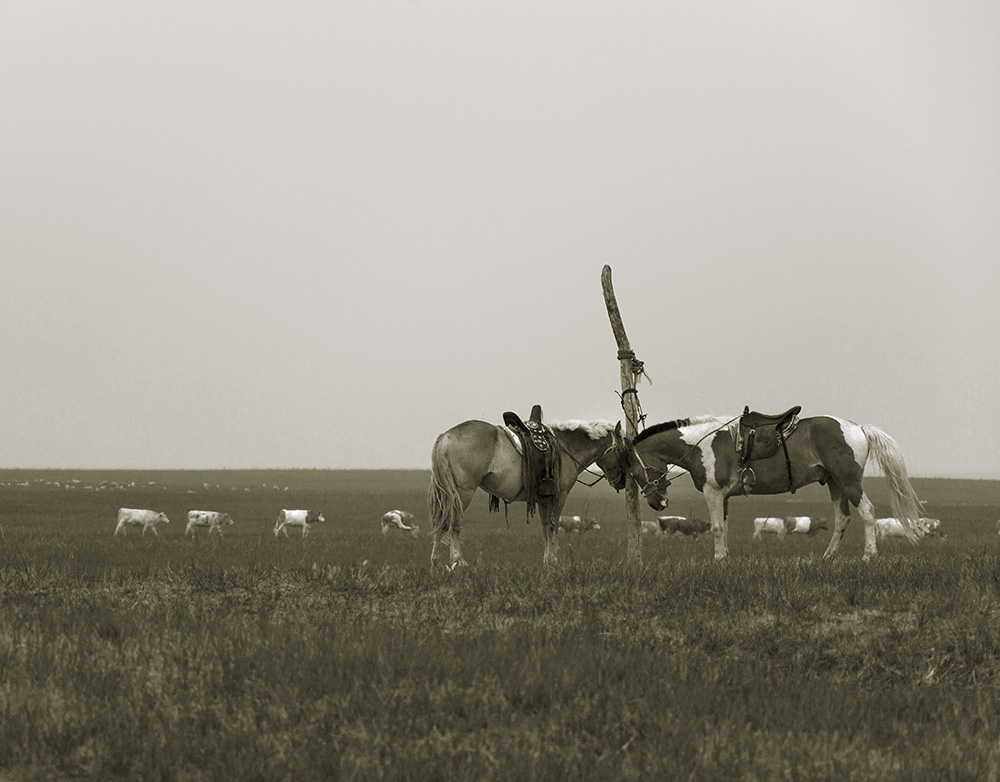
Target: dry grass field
(343,657)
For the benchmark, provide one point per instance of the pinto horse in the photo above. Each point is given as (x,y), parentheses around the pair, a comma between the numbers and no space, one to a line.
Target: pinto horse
(823,449)
(479,455)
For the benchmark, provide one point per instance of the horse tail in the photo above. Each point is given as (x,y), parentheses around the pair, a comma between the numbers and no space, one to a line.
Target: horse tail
(904,501)
(443,500)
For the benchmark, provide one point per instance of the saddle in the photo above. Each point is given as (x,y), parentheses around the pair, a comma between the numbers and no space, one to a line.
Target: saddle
(758,437)
(540,457)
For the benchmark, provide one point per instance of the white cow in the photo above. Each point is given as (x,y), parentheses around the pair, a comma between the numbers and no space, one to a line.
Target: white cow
(930,527)
(296,518)
(768,525)
(651,528)
(893,528)
(399,519)
(805,525)
(135,517)
(575,524)
(207,518)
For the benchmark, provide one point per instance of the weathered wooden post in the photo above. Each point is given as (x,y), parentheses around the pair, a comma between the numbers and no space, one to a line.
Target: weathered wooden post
(631,370)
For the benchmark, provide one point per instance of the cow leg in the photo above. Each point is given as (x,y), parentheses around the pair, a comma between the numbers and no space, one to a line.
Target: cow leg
(717,514)
(867,511)
(121,527)
(305,529)
(841,518)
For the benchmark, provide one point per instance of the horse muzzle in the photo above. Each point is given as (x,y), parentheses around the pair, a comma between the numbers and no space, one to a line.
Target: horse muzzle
(657,504)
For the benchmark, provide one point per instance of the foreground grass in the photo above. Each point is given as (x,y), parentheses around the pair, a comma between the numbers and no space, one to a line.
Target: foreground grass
(160,660)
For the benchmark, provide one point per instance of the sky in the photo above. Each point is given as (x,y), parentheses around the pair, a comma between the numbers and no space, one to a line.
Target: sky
(318,234)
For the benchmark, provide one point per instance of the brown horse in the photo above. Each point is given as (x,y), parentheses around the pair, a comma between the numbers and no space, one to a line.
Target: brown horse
(823,449)
(479,455)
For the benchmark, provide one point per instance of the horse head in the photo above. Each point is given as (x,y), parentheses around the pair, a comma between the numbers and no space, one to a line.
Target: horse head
(622,459)
(614,463)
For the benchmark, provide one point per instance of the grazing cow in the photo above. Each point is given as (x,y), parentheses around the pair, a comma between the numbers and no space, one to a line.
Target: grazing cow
(576,524)
(893,528)
(207,518)
(804,525)
(135,517)
(651,528)
(296,518)
(692,528)
(769,525)
(399,519)
(930,527)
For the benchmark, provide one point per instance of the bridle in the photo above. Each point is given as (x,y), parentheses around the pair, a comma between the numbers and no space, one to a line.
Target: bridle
(646,485)
(657,484)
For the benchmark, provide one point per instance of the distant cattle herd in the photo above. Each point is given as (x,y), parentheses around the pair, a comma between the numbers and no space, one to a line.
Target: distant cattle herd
(400,521)
(403,521)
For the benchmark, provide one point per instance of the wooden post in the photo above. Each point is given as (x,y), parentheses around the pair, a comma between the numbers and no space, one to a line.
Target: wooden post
(630,371)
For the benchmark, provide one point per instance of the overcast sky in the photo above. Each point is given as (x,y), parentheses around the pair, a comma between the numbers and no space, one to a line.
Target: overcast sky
(297,234)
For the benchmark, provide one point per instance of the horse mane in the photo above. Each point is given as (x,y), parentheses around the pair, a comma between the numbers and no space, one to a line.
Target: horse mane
(679,423)
(595,430)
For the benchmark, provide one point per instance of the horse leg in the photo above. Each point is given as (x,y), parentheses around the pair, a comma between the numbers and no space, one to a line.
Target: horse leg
(457,560)
(549,514)
(717,513)
(434,547)
(454,531)
(867,511)
(841,518)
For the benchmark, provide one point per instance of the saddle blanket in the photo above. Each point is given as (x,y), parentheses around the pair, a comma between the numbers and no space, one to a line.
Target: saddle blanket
(514,439)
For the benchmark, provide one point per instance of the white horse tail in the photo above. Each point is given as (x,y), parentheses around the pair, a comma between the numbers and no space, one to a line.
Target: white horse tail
(443,500)
(903,499)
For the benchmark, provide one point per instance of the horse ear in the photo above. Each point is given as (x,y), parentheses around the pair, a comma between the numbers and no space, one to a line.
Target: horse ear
(616,435)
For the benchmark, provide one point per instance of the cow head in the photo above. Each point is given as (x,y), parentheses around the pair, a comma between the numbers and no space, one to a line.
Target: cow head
(225,518)
(163,518)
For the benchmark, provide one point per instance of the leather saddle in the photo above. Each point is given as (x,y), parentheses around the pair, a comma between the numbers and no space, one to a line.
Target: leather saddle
(540,455)
(759,436)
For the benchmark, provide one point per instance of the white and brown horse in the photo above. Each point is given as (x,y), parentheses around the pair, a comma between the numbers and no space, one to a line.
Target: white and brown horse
(823,449)
(479,455)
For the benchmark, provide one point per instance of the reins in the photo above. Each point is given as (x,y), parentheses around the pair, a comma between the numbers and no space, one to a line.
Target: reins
(581,468)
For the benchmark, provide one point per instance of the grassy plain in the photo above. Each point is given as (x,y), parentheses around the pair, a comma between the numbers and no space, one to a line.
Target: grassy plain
(344,657)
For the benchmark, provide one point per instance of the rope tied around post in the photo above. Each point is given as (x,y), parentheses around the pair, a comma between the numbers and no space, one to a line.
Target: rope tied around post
(638,370)
(640,417)
(638,367)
